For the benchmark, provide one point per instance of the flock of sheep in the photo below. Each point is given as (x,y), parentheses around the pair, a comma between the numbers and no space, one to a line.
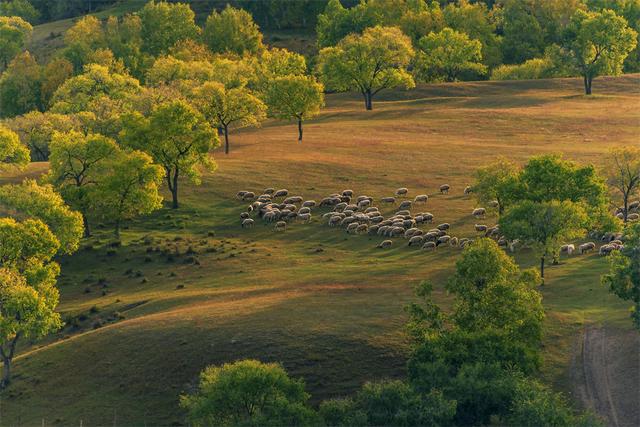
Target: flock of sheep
(358,215)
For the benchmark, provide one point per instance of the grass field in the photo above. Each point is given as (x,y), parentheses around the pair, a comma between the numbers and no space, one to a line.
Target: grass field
(189,288)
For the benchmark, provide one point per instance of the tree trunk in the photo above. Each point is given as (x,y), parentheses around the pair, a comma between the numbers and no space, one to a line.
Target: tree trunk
(174,192)
(299,130)
(625,212)
(542,269)
(116,230)
(87,228)
(587,84)
(226,139)
(368,104)
(6,372)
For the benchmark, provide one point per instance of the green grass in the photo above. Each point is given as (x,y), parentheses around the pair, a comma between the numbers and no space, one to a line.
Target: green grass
(334,317)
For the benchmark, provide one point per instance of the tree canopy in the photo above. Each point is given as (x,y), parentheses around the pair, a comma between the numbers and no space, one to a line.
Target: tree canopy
(14,33)
(375,60)
(232,31)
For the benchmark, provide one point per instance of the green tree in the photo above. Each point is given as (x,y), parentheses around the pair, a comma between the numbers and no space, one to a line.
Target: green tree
(623,174)
(448,54)
(336,22)
(12,152)
(84,37)
(14,33)
(522,34)
(295,97)
(421,19)
(623,278)
(77,162)
(232,31)
(271,64)
(36,129)
(54,74)
(389,403)
(164,24)
(478,22)
(20,86)
(496,182)
(544,225)
(128,189)
(369,63)
(20,8)
(124,38)
(224,107)
(598,43)
(41,202)
(248,392)
(177,137)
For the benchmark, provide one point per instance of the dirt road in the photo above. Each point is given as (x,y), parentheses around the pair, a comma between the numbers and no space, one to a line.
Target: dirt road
(606,374)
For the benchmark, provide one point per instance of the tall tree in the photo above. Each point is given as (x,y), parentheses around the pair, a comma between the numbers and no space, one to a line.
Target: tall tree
(376,60)
(232,31)
(14,33)
(20,8)
(623,173)
(598,43)
(77,162)
(623,278)
(496,182)
(20,90)
(84,37)
(448,54)
(177,137)
(164,24)
(224,107)
(12,152)
(129,188)
(295,97)
(36,130)
(544,225)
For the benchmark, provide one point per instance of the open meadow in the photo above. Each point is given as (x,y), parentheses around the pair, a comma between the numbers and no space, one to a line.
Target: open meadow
(189,287)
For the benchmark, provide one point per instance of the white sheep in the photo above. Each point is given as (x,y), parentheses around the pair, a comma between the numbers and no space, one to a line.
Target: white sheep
(468,190)
(402,192)
(352,227)
(244,215)
(362,228)
(453,241)
(305,217)
(443,226)
(494,204)
(429,246)
(416,240)
(479,212)
(421,198)
(281,193)
(444,189)
(405,205)
(568,249)
(586,247)
(347,193)
(334,220)
(248,196)
(309,204)
(247,223)
(269,190)
(391,200)
(293,199)
(280,226)
(304,210)
(240,194)
(481,228)
(385,244)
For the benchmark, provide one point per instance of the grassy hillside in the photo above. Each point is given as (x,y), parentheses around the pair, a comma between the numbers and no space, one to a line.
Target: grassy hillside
(189,288)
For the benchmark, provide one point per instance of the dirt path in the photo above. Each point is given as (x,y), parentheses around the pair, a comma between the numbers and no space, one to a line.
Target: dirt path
(606,375)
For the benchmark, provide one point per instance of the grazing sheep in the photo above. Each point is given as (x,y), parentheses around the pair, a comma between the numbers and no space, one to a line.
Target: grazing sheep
(383,229)
(479,212)
(494,204)
(281,193)
(240,194)
(429,246)
(305,217)
(385,244)
(416,240)
(453,241)
(280,226)
(248,196)
(633,217)
(293,199)
(607,249)
(391,200)
(397,231)
(463,242)
(309,204)
(586,247)
(634,205)
(364,203)
(502,242)
(444,226)
(468,190)
(443,239)
(428,217)
(402,192)
(348,193)
(362,228)
(352,227)
(352,207)
(361,198)
(405,205)
(247,223)
(481,228)
(304,210)
(431,235)
(444,189)
(377,219)
(373,230)
(334,220)
(244,215)
(269,190)
(348,220)
(410,232)
(403,213)
(340,207)
(568,249)
(421,198)
(329,201)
